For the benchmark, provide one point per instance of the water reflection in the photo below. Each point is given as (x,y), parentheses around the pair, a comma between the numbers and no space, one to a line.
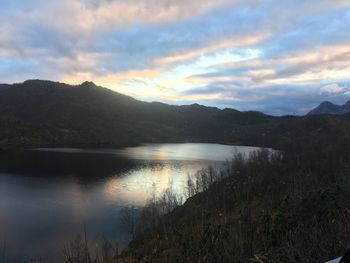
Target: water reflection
(46,196)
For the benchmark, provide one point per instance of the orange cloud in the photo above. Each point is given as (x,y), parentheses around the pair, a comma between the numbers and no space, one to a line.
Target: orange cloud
(210,96)
(208,79)
(112,79)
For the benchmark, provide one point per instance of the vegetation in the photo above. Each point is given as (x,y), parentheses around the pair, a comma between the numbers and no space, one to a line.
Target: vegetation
(270,207)
(78,251)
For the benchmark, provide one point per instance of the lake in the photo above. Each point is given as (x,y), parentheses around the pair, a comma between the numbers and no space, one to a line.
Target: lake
(47,195)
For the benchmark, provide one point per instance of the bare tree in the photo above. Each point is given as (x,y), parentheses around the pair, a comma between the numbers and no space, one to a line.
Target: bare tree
(128,218)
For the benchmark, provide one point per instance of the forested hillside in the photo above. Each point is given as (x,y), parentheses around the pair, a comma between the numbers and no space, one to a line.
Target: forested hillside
(289,206)
(37,113)
(44,113)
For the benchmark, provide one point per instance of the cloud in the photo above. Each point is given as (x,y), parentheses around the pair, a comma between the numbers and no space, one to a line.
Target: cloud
(86,17)
(217,45)
(318,65)
(114,12)
(333,88)
(250,54)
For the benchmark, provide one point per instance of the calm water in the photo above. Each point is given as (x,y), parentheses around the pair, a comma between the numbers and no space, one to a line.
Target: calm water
(46,196)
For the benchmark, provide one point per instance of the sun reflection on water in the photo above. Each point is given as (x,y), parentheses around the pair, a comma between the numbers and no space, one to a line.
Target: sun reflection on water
(137,186)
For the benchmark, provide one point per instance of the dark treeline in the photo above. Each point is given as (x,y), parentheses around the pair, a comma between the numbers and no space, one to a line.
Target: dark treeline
(290,206)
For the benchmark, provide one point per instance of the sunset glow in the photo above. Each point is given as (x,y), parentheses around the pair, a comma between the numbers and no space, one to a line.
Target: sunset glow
(272,56)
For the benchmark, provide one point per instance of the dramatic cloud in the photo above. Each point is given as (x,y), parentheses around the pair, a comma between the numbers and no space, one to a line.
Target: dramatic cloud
(280,57)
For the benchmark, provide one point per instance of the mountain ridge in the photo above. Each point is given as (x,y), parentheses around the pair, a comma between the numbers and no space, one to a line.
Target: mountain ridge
(327,107)
(41,112)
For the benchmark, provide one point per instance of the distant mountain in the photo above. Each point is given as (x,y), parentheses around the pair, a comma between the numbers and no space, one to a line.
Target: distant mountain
(46,113)
(327,107)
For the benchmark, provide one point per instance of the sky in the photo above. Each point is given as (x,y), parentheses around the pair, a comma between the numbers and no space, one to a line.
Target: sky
(278,57)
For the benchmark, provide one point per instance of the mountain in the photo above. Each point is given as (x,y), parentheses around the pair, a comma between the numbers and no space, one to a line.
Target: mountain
(327,107)
(39,113)
(45,113)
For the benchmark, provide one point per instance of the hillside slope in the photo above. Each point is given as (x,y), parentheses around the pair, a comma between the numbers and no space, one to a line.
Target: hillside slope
(40,113)
(49,113)
(258,209)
